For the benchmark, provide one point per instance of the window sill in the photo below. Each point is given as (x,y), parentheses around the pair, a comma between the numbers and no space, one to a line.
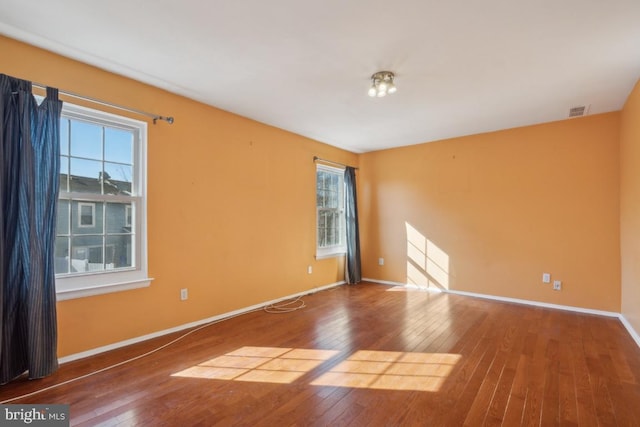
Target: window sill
(67,289)
(330,255)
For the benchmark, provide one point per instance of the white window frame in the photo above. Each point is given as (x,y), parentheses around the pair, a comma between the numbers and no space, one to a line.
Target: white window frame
(78,285)
(335,250)
(93,214)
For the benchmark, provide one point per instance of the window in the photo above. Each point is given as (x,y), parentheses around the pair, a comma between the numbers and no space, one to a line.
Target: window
(101,224)
(330,211)
(86,214)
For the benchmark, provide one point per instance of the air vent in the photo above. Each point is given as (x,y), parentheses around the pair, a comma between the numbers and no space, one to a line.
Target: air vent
(578,111)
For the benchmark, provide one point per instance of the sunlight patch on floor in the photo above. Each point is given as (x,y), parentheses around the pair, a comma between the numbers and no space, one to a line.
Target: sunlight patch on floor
(391,370)
(260,364)
(388,370)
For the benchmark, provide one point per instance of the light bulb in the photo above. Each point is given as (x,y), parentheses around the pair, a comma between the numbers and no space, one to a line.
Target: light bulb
(372,91)
(382,87)
(381,92)
(392,88)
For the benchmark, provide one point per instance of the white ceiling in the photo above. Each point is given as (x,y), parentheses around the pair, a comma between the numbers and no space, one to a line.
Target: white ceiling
(462,66)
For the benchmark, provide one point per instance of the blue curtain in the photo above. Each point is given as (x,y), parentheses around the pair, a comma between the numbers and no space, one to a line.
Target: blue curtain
(353,269)
(30,169)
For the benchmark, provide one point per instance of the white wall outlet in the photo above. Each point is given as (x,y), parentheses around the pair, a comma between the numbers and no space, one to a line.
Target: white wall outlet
(184,294)
(380,261)
(309,269)
(557,285)
(546,278)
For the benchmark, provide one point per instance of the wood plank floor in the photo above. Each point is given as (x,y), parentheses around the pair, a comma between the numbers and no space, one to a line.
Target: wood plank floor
(367,355)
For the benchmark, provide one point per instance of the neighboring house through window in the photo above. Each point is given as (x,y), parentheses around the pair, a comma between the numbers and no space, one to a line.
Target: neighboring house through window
(101,224)
(330,212)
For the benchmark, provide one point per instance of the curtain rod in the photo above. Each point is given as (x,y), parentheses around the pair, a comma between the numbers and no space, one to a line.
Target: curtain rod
(316,158)
(155,117)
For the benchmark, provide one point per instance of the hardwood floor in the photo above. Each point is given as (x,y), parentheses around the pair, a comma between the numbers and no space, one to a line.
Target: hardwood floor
(367,355)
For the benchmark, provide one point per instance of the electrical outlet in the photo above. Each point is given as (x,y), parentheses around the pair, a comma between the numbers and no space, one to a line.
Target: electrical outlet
(184,294)
(546,278)
(557,285)
(309,269)
(380,261)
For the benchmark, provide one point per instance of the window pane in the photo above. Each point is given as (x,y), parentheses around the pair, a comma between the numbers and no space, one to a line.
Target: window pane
(329,220)
(329,227)
(86,254)
(61,255)
(86,218)
(116,221)
(62,226)
(336,233)
(64,137)
(329,239)
(322,240)
(119,251)
(64,173)
(86,140)
(118,146)
(320,179)
(117,178)
(322,220)
(85,176)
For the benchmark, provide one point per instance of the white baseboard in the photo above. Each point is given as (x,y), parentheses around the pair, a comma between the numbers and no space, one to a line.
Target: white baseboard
(384,282)
(538,304)
(190,325)
(625,323)
(630,329)
(404,285)
(505,299)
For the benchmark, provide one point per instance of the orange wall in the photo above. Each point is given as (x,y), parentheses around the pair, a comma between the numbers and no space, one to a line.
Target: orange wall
(490,213)
(630,207)
(231,209)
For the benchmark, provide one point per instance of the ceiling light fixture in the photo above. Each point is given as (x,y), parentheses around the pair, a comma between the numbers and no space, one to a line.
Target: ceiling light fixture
(382,84)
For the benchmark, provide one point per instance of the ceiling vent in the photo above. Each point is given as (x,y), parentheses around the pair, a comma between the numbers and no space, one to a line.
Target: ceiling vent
(578,111)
